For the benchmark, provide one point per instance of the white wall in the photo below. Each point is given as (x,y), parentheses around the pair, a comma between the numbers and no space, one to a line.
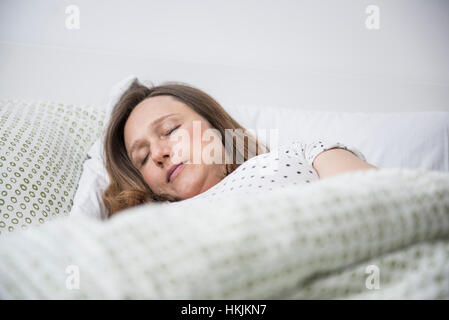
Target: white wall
(299,54)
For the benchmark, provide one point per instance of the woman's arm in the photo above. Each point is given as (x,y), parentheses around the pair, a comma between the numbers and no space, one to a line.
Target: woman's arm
(335,161)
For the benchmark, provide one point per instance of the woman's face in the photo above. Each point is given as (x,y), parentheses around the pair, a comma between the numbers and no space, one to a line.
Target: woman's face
(152,122)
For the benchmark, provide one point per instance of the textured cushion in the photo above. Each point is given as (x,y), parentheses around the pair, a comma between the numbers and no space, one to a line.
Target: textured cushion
(42,150)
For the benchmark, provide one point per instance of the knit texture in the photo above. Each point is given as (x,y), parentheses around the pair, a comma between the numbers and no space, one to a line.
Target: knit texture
(377,234)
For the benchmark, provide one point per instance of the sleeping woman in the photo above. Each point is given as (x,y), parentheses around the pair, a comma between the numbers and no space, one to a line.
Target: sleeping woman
(147,162)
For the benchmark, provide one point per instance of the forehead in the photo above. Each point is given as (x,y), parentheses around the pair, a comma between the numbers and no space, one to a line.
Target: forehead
(149,110)
(155,107)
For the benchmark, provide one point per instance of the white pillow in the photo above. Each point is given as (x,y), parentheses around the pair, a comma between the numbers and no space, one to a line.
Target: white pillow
(94,180)
(388,140)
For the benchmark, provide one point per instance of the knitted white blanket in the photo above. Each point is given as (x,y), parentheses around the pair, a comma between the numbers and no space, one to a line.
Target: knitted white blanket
(363,234)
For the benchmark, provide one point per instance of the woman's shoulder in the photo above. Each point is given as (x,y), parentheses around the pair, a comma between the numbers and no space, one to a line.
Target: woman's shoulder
(286,149)
(306,150)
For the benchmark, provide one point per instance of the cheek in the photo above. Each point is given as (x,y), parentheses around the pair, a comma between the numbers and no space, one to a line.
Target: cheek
(153,179)
(196,139)
(191,139)
(190,181)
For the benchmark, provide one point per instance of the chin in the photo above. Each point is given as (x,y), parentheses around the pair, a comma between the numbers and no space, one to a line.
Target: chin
(187,184)
(187,194)
(187,191)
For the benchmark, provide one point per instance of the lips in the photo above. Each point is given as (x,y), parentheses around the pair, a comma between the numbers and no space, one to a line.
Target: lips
(174,170)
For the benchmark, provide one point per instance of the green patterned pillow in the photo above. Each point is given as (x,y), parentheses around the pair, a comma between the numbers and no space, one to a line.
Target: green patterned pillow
(42,149)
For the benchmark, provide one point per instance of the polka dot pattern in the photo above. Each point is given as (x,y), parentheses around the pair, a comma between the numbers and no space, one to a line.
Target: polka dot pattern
(298,242)
(290,164)
(42,148)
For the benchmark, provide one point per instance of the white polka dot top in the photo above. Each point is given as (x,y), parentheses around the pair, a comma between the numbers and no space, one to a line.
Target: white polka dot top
(292,164)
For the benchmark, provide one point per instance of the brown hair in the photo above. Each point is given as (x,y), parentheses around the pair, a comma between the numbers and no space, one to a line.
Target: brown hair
(127,187)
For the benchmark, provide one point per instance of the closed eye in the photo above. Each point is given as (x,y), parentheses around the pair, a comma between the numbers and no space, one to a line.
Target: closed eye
(168,133)
(144,160)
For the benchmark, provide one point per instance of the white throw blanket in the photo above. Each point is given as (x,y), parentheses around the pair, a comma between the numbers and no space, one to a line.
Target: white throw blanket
(363,234)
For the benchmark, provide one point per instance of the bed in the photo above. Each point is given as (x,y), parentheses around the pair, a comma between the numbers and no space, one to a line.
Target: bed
(375,234)
(311,71)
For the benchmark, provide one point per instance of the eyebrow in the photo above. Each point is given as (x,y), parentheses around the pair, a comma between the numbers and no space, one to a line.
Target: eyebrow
(138,142)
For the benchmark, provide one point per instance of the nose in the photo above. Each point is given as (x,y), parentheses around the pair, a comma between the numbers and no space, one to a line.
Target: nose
(160,152)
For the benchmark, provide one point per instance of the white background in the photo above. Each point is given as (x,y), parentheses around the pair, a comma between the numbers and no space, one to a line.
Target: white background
(299,54)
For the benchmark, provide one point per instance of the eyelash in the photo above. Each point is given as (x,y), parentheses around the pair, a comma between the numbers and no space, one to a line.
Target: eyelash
(169,132)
